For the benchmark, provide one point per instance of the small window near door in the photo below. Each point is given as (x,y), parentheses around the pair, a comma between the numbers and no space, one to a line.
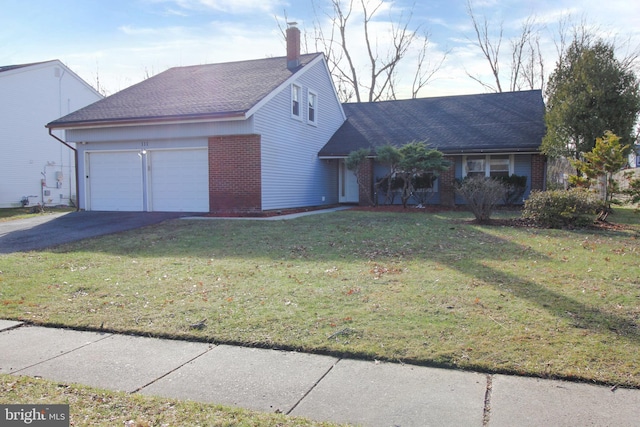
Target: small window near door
(313,108)
(296,92)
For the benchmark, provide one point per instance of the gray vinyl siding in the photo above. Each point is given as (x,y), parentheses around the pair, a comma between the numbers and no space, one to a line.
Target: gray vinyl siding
(458,165)
(292,174)
(522,167)
(161,132)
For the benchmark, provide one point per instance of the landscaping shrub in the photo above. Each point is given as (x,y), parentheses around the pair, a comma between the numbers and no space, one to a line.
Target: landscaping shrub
(482,195)
(633,189)
(576,207)
(515,185)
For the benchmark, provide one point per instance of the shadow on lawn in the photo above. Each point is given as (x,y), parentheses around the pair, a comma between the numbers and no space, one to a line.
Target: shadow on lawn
(577,314)
(454,243)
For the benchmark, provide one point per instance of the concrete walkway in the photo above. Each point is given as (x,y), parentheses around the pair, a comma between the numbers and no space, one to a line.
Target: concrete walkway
(322,388)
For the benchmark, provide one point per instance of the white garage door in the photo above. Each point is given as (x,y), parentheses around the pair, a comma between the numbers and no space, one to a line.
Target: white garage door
(114,181)
(155,180)
(178,180)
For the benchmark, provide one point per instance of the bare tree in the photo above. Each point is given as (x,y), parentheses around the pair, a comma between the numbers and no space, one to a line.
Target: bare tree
(570,31)
(527,63)
(425,69)
(380,79)
(490,48)
(347,76)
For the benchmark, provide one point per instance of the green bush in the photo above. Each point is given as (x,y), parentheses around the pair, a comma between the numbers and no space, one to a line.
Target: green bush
(515,186)
(633,189)
(576,207)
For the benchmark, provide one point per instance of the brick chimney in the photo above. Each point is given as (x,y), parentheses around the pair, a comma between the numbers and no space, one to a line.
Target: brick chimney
(293,46)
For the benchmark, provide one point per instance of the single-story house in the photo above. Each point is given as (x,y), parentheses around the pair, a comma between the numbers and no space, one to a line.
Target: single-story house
(270,134)
(35,171)
(495,134)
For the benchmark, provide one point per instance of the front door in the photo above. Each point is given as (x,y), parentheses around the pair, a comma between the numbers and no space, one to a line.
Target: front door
(348,191)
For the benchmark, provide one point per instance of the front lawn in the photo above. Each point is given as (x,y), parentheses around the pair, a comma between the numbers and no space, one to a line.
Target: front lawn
(95,407)
(424,288)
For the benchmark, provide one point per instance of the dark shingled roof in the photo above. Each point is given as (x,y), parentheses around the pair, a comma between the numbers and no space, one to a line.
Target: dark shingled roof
(512,121)
(199,91)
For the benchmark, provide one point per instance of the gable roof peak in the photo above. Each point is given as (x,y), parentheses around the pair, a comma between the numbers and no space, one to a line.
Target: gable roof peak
(194,92)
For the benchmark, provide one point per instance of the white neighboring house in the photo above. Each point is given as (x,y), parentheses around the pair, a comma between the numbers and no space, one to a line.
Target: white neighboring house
(37,169)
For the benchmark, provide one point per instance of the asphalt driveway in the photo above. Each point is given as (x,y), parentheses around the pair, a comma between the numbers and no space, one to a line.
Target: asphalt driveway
(46,230)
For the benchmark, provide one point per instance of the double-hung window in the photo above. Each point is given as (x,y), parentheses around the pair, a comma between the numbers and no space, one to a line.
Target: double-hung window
(312,111)
(488,166)
(475,166)
(296,98)
(499,166)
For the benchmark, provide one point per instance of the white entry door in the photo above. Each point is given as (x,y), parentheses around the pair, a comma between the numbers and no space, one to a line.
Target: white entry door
(114,181)
(348,191)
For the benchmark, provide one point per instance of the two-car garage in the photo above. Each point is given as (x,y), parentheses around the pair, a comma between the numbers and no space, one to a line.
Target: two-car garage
(147,180)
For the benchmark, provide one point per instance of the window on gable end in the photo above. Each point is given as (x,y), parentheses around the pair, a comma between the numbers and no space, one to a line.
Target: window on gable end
(312,112)
(296,98)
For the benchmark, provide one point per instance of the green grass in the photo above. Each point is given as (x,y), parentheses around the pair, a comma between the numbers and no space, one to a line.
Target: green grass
(432,289)
(9,214)
(95,407)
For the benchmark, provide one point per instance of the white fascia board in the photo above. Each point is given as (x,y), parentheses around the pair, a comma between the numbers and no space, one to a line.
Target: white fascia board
(341,157)
(80,79)
(333,87)
(489,152)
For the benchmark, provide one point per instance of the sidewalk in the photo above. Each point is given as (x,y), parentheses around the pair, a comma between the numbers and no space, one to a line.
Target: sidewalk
(323,388)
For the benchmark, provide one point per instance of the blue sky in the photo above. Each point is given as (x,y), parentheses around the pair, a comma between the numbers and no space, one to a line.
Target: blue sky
(120,42)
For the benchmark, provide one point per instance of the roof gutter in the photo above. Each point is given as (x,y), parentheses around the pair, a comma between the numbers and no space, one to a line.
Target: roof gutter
(447,153)
(75,156)
(142,121)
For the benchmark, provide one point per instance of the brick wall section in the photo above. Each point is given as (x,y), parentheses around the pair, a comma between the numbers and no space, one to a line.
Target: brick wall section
(365,179)
(446,184)
(538,171)
(235,184)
